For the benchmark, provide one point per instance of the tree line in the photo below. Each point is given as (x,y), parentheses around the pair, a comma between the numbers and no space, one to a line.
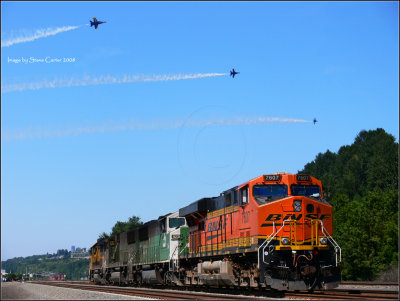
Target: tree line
(60,263)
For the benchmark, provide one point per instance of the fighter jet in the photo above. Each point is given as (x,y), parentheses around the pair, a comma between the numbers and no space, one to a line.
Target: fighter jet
(95,22)
(233,73)
(315,120)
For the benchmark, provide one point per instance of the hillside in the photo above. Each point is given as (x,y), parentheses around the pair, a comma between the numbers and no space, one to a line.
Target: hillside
(58,263)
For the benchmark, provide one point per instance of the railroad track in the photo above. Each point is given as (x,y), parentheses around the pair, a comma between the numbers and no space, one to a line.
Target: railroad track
(231,294)
(144,292)
(363,283)
(345,294)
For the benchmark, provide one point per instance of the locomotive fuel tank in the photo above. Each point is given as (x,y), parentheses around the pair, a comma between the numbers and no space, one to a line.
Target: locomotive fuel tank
(216,273)
(115,277)
(152,277)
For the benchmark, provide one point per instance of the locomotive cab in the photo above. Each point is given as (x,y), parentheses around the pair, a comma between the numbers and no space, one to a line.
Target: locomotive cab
(296,248)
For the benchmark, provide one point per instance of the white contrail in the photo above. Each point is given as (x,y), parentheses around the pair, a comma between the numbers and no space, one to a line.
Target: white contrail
(38,133)
(39,33)
(102,80)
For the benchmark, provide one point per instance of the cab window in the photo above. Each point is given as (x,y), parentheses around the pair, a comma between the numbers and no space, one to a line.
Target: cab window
(244,196)
(235,197)
(176,222)
(268,193)
(306,190)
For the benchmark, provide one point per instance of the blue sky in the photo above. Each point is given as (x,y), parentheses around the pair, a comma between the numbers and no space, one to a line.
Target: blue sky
(76,159)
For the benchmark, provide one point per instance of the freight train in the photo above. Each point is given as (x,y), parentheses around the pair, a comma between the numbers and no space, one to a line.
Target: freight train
(274,231)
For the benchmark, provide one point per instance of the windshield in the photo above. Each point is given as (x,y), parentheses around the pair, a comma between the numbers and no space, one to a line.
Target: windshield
(305,190)
(269,193)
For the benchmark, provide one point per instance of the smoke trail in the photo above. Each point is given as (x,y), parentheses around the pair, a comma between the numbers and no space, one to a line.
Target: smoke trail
(39,133)
(102,80)
(39,33)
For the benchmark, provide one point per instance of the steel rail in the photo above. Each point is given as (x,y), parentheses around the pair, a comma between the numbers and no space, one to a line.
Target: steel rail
(349,294)
(178,293)
(368,283)
(144,292)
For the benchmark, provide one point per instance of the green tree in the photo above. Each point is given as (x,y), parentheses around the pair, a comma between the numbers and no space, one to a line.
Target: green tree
(133,221)
(103,235)
(119,227)
(125,226)
(361,183)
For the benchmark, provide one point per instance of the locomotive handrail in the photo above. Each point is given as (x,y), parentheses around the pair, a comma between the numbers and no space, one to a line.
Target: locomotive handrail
(265,241)
(264,245)
(184,248)
(173,261)
(333,242)
(115,250)
(268,240)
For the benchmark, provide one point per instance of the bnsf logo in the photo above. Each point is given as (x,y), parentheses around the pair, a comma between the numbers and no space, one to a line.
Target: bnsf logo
(215,226)
(278,217)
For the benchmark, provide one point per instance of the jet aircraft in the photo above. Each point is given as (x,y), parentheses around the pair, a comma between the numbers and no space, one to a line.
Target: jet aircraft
(315,120)
(95,22)
(233,73)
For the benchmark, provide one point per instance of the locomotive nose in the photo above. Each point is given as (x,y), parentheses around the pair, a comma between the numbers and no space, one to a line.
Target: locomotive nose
(310,208)
(301,222)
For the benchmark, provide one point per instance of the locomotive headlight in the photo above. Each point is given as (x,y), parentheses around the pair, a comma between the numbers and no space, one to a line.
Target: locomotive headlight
(297,205)
(323,241)
(285,241)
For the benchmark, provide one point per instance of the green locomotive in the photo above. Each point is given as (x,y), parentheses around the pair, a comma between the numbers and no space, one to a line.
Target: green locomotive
(146,254)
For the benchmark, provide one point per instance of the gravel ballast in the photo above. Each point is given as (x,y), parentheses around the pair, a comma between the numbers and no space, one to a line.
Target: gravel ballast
(369,287)
(30,291)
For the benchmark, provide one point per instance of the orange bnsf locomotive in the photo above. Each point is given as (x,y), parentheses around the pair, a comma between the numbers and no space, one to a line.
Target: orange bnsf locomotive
(274,231)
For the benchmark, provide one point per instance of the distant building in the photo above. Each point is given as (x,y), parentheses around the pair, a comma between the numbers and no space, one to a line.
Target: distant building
(80,253)
(73,248)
